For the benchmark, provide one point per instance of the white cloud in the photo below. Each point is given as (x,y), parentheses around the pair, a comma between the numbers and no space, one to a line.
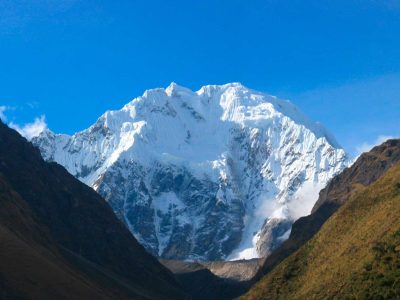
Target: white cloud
(304,200)
(2,113)
(31,130)
(365,147)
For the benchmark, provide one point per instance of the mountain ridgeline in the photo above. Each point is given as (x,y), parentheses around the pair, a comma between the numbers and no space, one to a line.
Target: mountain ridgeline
(61,240)
(216,174)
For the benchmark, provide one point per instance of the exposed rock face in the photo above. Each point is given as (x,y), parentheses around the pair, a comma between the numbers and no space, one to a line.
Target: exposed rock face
(220,173)
(273,233)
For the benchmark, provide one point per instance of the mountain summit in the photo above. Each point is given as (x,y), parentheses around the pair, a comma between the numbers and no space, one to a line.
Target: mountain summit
(220,173)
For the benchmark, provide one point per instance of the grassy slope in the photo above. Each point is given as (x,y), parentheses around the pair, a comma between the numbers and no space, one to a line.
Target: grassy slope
(355,255)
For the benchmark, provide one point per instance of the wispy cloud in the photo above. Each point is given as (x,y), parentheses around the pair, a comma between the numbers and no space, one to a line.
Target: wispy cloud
(365,147)
(303,201)
(4,112)
(3,109)
(31,130)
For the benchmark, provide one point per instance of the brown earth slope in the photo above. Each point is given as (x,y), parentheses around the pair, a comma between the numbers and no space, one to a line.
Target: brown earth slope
(355,255)
(80,226)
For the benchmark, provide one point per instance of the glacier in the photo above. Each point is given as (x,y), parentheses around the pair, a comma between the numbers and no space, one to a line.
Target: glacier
(215,174)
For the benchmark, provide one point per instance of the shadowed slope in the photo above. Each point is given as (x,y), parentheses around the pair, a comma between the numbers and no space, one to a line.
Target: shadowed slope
(31,266)
(81,223)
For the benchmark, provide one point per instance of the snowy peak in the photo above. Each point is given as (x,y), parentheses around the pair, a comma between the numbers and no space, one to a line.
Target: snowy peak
(220,173)
(240,104)
(176,90)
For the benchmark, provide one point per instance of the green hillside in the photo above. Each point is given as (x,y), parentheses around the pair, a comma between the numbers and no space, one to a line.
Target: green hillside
(355,255)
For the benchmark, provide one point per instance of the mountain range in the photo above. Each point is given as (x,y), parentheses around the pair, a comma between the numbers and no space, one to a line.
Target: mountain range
(216,174)
(62,240)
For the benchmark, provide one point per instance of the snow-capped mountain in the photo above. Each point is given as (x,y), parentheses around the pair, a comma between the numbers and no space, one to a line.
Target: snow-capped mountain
(220,173)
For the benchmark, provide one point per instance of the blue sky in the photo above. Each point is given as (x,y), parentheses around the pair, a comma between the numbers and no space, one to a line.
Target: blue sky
(71,60)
